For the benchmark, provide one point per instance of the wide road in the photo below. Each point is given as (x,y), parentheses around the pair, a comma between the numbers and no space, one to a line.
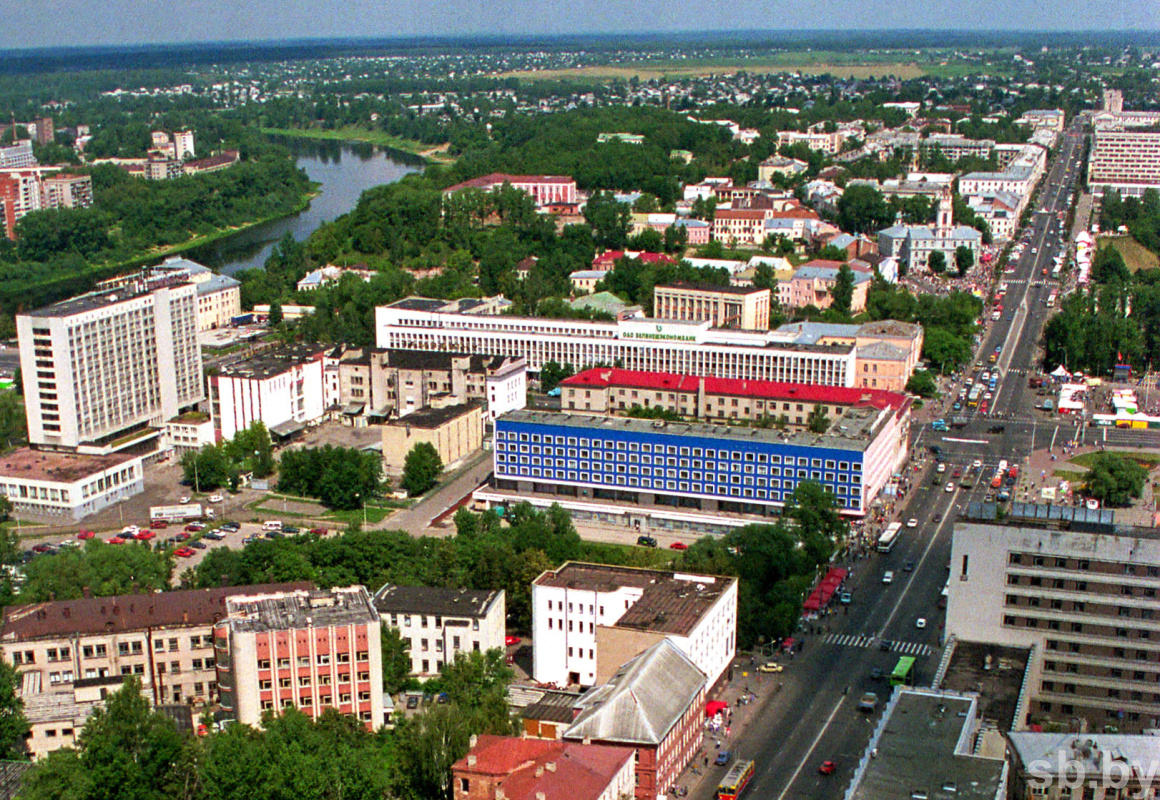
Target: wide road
(814,718)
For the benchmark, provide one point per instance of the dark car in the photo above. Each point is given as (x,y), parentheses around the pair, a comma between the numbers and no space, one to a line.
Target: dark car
(198,545)
(646,541)
(885,645)
(274,535)
(213,536)
(289,529)
(181,537)
(908,566)
(231,527)
(876,673)
(722,758)
(412,701)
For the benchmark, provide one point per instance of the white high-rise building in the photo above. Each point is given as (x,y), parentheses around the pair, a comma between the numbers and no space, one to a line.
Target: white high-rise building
(101,367)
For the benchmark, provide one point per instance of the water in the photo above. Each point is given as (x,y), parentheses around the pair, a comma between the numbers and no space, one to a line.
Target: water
(344,169)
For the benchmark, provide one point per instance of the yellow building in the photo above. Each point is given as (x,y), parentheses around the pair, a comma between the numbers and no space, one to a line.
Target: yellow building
(742,307)
(455,431)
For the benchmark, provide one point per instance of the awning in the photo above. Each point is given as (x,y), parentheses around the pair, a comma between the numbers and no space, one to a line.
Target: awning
(379,413)
(288,428)
(353,409)
(713,706)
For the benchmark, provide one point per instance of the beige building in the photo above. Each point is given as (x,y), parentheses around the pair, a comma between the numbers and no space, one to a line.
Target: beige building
(1078,589)
(779,165)
(455,431)
(742,307)
(69,654)
(1083,766)
(1127,161)
(740,225)
(436,622)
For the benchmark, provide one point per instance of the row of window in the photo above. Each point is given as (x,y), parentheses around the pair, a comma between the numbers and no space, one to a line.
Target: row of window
(321,659)
(685,473)
(305,680)
(1059,562)
(422,620)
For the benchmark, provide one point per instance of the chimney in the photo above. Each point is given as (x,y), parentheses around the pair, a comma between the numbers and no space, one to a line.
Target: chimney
(474,740)
(550,766)
(470,760)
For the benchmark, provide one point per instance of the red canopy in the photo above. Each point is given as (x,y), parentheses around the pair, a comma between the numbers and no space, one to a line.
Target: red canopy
(713,706)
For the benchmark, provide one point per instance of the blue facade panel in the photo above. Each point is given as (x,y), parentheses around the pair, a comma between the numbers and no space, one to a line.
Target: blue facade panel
(726,468)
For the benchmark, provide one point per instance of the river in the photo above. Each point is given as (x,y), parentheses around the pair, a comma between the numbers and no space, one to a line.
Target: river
(344,169)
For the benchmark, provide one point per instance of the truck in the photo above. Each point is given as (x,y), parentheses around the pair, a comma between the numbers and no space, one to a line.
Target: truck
(179,513)
(939,425)
(1036,381)
(958,422)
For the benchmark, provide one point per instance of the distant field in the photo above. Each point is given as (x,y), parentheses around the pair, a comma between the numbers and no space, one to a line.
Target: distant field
(678,69)
(1136,256)
(352,133)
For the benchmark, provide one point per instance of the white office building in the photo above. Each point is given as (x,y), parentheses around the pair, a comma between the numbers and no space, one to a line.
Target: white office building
(283,389)
(589,619)
(105,370)
(648,345)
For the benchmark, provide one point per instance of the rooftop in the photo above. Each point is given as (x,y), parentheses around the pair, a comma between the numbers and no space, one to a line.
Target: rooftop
(429,418)
(700,286)
(1050,750)
(544,769)
(924,749)
(217,283)
(97,300)
(43,465)
(435,600)
(126,612)
(500,178)
(273,362)
(304,608)
(993,672)
(642,701)
(855,431)
(670,602)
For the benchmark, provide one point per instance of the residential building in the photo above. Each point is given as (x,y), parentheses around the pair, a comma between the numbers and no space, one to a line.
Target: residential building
(69,654)
(797,224)
(888,351)
(1022,167)
(100,369)
(649,345)
(371,384)
(18,155)
(958,147)
(1126,161)
(743,226)
(437,622)
(65,487)
(607,391)
(723,469)
(589,619)
(20,191)
(67,191)
(1080,590)
(215,163)
(825,142)
(1052,119)
(780,165)
(309,649)
(1000,210)
(188,432)
(540,769)
(323,276)
(655,704)
(161,167)
(219,297)
(1073,765)
(874,262)
(607,260)
(723,306)
(622,138)
(916,184)
(585,280)
(545,190)
(932,744)
(912,245)
(696,230)
(454,431)
(281,387)
(813,284)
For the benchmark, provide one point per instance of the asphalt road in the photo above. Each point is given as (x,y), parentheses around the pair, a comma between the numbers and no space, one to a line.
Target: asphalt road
(814,717)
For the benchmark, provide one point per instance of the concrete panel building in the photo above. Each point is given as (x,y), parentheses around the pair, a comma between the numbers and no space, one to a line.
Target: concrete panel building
(1126,161)
(739,307)
(438,622)
(455,432)
(65,487)
(282,388)
(310,649)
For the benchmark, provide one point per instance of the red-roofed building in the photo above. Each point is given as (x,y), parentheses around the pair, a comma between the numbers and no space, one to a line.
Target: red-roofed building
(542,769)
(740,225)
(546,190)
(608,391)
(608,259)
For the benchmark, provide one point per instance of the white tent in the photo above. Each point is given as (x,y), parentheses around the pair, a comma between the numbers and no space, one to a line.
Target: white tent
(1060,372)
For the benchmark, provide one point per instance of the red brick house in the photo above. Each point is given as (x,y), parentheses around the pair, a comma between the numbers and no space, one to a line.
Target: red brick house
(542,769)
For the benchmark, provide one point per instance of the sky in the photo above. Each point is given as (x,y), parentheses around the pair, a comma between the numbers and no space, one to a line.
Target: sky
(51,23)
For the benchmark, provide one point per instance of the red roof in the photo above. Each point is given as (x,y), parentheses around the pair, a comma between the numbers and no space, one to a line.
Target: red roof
(603,377)
(610,257)
(739,213)
(500,178)
(558,770)
(796,213)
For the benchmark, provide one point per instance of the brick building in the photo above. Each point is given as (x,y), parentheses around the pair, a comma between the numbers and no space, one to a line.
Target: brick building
(540,769)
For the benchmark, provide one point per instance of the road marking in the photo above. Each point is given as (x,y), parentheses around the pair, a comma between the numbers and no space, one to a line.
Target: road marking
(918,567)
(810,751)
(967,441)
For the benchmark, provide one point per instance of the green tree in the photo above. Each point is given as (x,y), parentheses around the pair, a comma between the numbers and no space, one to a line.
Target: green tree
(421,469)
(610,220)
(208,469)
(936,262)
(922,383)
(843,292)
(863,209)
(102,568)
(13,723)
(944,350)
(964,259)
(551,373)
(1114,479)
(396,660)
(275,318)
(818,421)
(13,426)
(252,450)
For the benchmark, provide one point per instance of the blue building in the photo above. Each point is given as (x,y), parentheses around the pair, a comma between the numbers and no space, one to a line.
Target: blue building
(691,466)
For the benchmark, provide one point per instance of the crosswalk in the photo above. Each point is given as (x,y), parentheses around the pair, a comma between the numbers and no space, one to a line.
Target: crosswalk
(902,648)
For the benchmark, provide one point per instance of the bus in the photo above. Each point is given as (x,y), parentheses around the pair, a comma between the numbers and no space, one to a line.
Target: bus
(735,780)
(889,537)
(973,397)
(1051,299)
(903,672)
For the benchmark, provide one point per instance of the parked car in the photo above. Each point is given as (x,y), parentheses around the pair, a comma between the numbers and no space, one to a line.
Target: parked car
(289,529)
(214,536)
(215,498)
(888,576)
(145,535)
(827,768)
(198,545)
(184,552)
(510,641)
(770,666)
(320,531)
(194,527)
(85,535)
(646,541)
(182,537)
(159,524)
(722,758)
(678,546)
(116,540)
(231,527)
(868,702)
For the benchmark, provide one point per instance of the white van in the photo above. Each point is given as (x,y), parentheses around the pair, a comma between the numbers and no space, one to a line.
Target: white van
(272,525)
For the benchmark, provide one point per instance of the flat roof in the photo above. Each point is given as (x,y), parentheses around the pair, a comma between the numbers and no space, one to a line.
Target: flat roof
(429,418)
(921,751)
(853,431)
(97,300)
(43,465)
(88,616)
(994,672)
(672,602)
(273,362)
(303,608)
(701,286)
(435,600)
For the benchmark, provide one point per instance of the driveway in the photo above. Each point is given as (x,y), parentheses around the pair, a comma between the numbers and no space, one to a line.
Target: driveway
(417,519)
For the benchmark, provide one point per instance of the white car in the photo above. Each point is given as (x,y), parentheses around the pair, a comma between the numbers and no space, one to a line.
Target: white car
(912,523)
(184,499)
(950,488)
(977,464)
(215,498)
(941,468)
(920,622)
(132,530)
(888,577)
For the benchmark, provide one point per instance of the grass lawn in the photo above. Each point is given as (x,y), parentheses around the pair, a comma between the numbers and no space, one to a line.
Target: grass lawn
(1136,256)
(1144,459)
(353,133)
(1069,475)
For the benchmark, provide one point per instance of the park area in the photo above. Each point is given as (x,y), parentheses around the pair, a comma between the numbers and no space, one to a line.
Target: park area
(1136,256)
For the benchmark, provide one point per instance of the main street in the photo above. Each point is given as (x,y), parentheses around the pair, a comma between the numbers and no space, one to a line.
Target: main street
(814,717)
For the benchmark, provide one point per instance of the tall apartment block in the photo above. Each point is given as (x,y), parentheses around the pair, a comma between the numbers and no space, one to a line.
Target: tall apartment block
(1127,161)
(310,650)
(1079,591)
(100,369)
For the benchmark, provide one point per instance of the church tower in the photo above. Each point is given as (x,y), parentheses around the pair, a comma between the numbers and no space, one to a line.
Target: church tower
(946,214)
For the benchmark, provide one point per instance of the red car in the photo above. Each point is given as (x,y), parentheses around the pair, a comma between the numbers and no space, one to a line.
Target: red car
(84,535)
(159,524)
(184,552)
(827,768)
(678,546)
(194,527)
(512,640)
(116,540)
(146,535)
(320,531)
(181,537)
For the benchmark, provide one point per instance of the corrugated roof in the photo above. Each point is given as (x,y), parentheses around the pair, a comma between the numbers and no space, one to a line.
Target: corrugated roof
(642,702)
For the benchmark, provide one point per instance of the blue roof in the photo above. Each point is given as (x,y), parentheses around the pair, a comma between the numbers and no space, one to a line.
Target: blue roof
(829,273)
(813,332)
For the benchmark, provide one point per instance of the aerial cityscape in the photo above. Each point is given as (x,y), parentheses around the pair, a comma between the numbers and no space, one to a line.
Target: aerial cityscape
(579,410)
